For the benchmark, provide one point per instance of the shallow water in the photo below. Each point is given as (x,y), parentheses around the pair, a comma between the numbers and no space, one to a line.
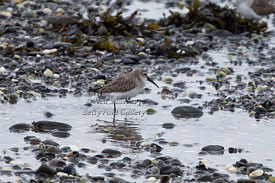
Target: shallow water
(224,128)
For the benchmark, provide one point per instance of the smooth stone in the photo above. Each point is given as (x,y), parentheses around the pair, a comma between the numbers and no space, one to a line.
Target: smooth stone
(146,162)
(60,134)
(219,175)
(34,141)
(111,153)
(205,178)
(22,172)
(221,33)
(166,170)
(50,125)
(97,178)
(20,128)
(246,181)
(186,112)
(50,142)
(46,169)
(53,149)
(129,62)
(70,169)
(179,85)
(168,125)
(149,102)
(164,179)
(48,114)
(57,163)
(132,57)
(117,180)
(214,149)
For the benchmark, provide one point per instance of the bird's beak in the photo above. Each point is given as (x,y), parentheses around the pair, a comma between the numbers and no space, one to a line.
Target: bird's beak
(152,81)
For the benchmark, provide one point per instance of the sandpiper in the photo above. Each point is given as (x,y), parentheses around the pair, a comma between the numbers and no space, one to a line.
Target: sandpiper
(125,86)
(255,9)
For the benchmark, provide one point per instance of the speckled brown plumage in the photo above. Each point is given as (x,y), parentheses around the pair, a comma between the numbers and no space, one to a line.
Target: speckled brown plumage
(123,83)
(263,7)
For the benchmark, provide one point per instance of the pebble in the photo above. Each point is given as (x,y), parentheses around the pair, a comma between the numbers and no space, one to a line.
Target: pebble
(213,149)
(186,112)
(111,153)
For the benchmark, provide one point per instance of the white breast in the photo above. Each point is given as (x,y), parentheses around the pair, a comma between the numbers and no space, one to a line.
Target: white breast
(128,94)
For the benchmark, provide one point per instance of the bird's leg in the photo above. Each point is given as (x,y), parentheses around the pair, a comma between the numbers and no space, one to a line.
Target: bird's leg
(114,116)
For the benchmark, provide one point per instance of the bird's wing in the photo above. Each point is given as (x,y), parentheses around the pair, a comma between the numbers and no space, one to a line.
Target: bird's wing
(120,84)
(263,7)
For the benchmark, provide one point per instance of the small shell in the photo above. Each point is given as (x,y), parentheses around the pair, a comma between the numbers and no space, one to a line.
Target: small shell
(256,173)
(228,166)
(50,51)
(190,43)
(232,170)
(145,144)
(151,180)
(62,174)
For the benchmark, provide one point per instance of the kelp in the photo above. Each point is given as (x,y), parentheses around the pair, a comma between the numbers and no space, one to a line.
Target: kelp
(220,17)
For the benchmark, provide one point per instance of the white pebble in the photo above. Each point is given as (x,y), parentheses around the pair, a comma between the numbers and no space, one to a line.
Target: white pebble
(47,11)
(48,72)
(56,76)
(5,14)
(2,69)
(50,51)
(151,180)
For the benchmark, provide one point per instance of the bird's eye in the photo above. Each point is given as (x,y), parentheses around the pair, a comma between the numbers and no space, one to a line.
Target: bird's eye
(144,73)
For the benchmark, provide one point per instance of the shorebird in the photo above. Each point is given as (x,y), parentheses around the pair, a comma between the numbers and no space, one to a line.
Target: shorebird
(255,9)
(125,86)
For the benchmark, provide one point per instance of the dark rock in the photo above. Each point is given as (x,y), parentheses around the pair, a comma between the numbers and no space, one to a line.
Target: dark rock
(232,150)
(92,160)
(246,181)
(111,153)
(164,179)
(168,125)
(20,128)
(70,169)
(13,99)
(60,134)
(205,178)
(50,142)
(149,102)
(166,170)
(221,33)
(154,170)
(219,175)
(117,180)
(57,163)
(45,126)
(22,172)
(186,112)
(132,57)
(129,62)
(179,85)
(146,162)
(214,149)
(48,114)
(97,178)
(45,169)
